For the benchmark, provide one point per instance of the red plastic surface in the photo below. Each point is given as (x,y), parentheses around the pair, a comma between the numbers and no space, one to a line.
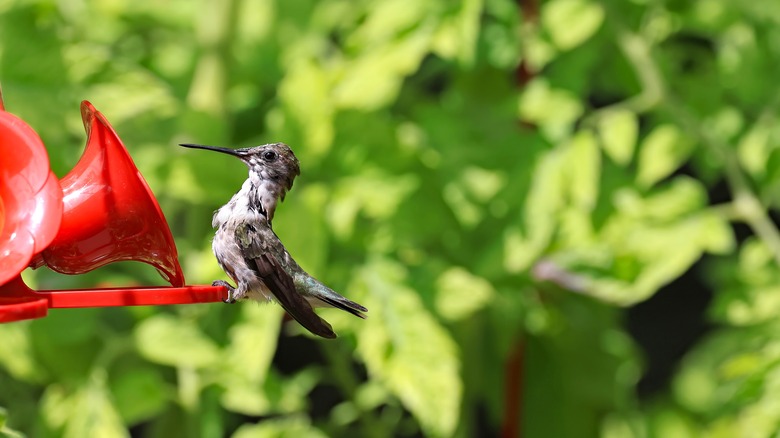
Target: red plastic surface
(110,214)
(30,196)
(18,302)
(21,308)
(102,211)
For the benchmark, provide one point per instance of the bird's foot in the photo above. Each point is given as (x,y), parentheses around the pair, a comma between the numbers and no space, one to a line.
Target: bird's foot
(231,290)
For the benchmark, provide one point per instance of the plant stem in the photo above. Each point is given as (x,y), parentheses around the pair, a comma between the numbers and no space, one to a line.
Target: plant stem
(514,368)
(650,79)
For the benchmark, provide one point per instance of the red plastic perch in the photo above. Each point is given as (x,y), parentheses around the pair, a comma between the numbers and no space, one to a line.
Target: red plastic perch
(17,301)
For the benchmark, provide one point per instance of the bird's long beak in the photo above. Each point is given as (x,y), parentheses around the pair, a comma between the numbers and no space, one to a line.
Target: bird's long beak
(235,152)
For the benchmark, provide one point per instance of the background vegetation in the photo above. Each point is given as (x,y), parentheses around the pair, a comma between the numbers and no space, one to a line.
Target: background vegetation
(500,183)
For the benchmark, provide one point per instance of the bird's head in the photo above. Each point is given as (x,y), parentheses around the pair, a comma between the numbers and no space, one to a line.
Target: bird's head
(273,162)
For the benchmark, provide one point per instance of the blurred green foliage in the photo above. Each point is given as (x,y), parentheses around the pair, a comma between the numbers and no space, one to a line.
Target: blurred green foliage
(474,211)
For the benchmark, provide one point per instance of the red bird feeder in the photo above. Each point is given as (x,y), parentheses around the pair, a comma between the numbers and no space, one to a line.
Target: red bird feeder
(101,212)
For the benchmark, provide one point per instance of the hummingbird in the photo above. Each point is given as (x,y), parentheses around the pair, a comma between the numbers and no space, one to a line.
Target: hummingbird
(252,255)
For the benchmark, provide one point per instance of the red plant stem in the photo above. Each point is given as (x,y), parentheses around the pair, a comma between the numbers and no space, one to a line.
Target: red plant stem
(513,395)
(529,10)
(515,363)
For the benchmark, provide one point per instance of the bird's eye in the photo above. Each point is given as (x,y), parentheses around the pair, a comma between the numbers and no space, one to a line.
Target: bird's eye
(269,155)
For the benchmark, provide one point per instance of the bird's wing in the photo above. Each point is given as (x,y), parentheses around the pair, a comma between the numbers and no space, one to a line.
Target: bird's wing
(255,249)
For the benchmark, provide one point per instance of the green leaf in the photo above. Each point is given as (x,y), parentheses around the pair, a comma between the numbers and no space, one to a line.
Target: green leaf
(457,36)
(71,334)
(537,50)
(754,257)
(374,78)
(174,341)
(132,93)
(305,93)
(183,183)
(584,170)
(467,212)
(302,228)
(5,431)
(140,394)
(482,184)
(16,353)
(68,327)
(460,293)
(247,358)
(87,411)
(661,153)
(659,253)
(727,372)
(754,149)
(618,130)
(725,124)
(545,200)
(290,394)
(404,347)
(668,202)
(571,22)
(553,109)
(749,292)
(291,427)
(388,19)
(372,192)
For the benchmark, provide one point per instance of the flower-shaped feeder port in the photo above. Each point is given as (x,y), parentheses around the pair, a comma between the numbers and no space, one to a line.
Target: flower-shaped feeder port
(102,211)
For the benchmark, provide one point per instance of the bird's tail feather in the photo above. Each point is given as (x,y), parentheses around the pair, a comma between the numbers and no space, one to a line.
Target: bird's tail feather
(329,297)
(344,304)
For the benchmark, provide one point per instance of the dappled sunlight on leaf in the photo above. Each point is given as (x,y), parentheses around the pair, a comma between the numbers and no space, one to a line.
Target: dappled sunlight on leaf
(201,267)
(292,427)
(659,255)
(301,225)
(754,148)
(681,196)
(245,361)
(373,80)
(734,373)
(404,346)
(16,353)
(468,213)
(571,22)
(140,394)
(554,110)
(483,184)
(751,294)
(305,92)
(545,199)
(184,184)
(662,151)
(174,341)
(134,93)
(461,293)
(457,35)
(619,130)
(87,411)
(373,193)
(583,170)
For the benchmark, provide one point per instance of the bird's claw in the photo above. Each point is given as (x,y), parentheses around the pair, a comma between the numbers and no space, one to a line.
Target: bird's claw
(230,290)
